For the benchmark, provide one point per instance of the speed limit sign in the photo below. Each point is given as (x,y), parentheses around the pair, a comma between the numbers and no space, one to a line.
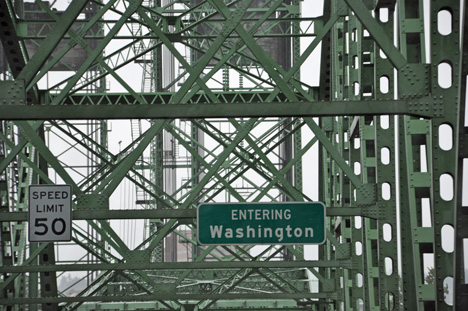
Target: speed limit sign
(50,213)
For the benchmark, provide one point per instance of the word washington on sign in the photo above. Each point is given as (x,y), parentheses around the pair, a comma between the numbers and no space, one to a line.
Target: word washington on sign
(259,232)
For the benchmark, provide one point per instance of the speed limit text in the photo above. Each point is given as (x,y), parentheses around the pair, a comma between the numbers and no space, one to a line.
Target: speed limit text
(51,195)
(49,208)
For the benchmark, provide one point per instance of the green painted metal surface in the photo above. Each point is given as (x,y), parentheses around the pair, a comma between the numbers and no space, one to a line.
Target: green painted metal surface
(261,223)
(173,104)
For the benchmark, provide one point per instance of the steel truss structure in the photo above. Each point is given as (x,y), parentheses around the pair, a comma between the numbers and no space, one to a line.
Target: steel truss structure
(222,106)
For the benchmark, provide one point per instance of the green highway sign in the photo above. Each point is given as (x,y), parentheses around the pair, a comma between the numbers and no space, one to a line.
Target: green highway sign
(261,223)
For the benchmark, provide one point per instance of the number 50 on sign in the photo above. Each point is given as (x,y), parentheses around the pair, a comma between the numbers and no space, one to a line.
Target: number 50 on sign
(50,213)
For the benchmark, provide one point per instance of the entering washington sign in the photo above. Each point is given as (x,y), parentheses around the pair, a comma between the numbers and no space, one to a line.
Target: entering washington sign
(261,223)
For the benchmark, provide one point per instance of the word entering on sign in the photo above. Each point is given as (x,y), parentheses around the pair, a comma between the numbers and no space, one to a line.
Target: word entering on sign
(257,214)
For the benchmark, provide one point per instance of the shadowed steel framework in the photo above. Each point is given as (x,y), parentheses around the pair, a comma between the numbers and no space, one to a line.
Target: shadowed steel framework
(147,108)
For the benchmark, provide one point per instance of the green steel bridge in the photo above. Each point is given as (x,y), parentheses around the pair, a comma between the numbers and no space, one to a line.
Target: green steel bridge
(147,108)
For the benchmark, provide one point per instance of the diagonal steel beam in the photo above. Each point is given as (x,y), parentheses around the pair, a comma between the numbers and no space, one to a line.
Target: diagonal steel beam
(104,154)
(12,45)
(243,131)
(334,152)
(231,23)
(283,171)
(378,33)
(114,179)
(33,255)
(52,40)
(241,134)
(293,192)
(199,158)
(251,164)
(26,159)
(265,60)
(233,50)
(56,58)
(17,149)
(156,29)
(97,51)
(308,51)
(30,134)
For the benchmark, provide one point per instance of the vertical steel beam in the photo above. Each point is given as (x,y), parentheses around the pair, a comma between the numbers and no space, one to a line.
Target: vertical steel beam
(385,148)
(446,61)
(461,230)
(415,162)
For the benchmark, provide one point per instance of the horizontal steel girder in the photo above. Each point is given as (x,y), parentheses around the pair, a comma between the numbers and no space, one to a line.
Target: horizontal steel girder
(170,296)
(178,266)
(424,107)
(94,214)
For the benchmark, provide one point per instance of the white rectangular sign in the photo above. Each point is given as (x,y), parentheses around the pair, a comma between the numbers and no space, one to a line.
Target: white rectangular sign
(50,213)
